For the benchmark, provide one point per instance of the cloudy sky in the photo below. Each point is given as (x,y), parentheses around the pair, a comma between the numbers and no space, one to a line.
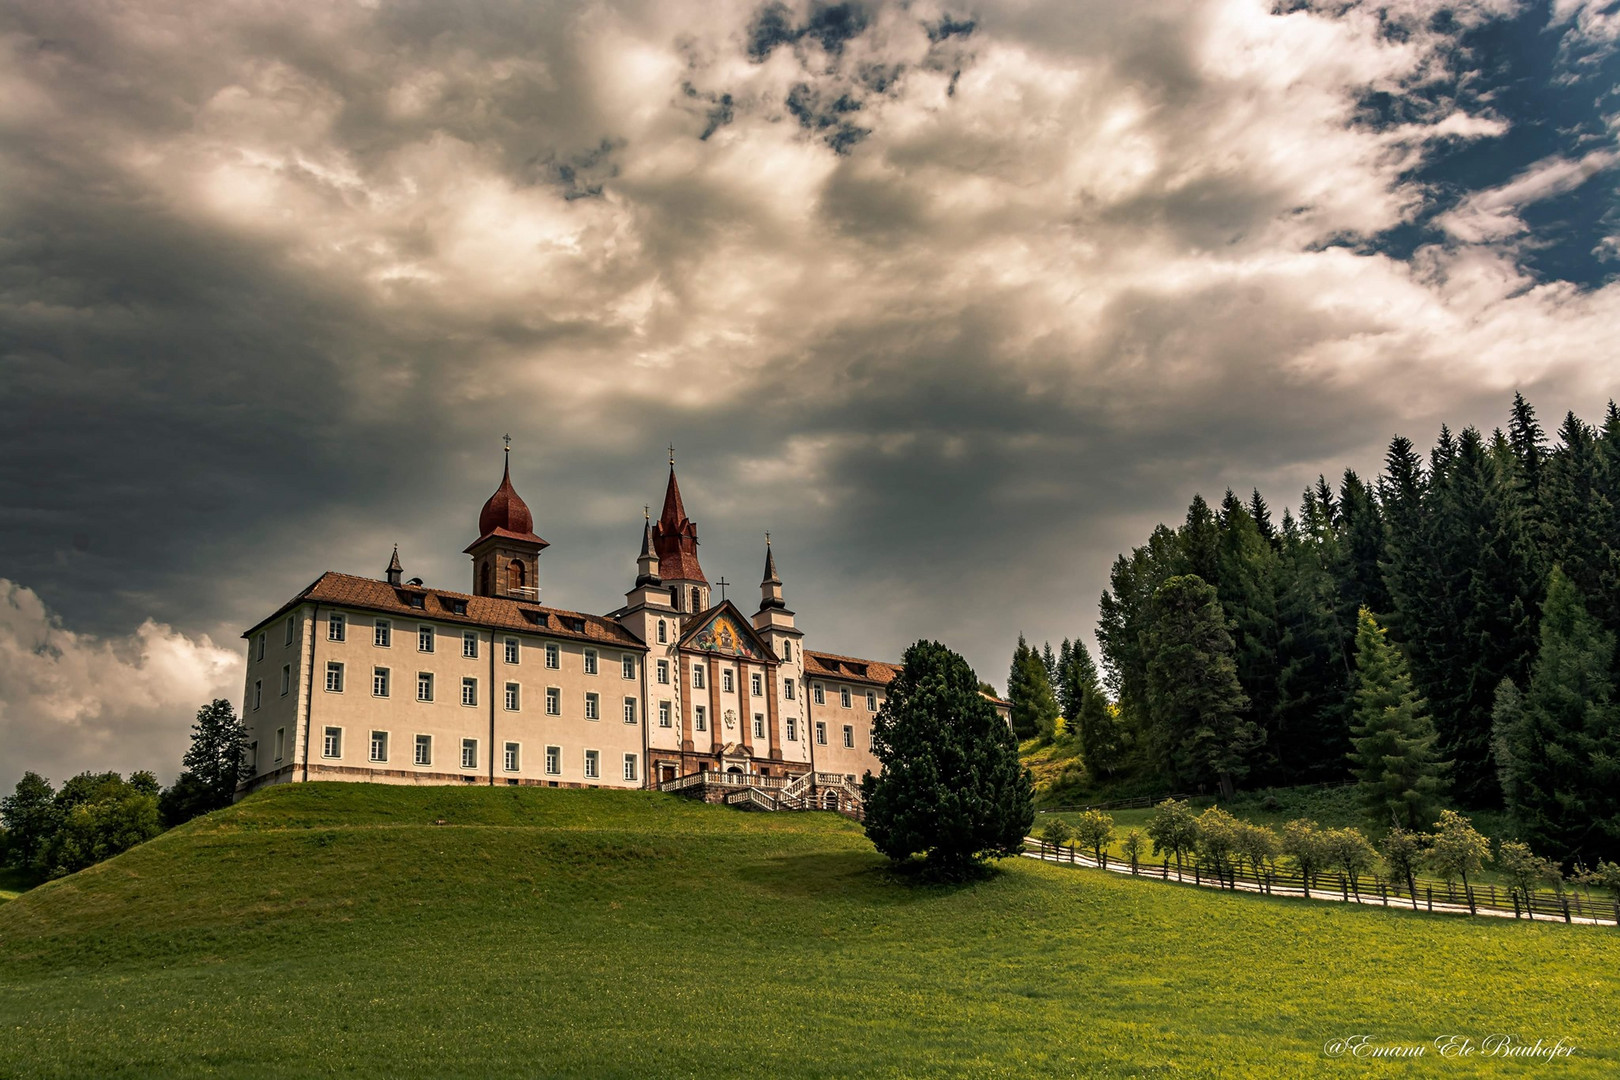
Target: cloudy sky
(957,300)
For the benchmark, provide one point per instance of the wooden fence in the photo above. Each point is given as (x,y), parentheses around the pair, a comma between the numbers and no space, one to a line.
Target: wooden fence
(1148,802)
(1569,905)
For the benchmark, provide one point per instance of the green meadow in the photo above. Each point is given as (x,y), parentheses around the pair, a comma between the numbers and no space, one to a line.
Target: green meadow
(335,929)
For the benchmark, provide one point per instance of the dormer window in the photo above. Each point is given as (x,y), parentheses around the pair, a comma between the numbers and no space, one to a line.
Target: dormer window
(458,607)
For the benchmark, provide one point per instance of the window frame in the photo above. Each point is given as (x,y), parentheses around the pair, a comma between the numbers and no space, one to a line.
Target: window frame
(259,644)
(422,750)
(382,634)
(553,701)
(663,673)
(381,677)
(334,668)
(593,705)
(593,764)
(512,650)
(845,699)
(792,728)
(553,655)
(288,639)
(849,736)
(592,662)
(553,761)
(331,742)
(469,746)
(632,768)
(627,665)
(759,725)
(513,697)
(336,627)
(424,681)
(818,693)
(286,679)
(700,718)
(821,733)
(756,684)
(281,743)
(728,681)
(258,694)
(512,757)
(871,701)
(630,711)
(469,644)
(378,738)
(697,676)
(425,636)
(663,631)
(469,682)
(665,714)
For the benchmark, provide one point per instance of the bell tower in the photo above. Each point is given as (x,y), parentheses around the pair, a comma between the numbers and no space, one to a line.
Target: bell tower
(506,555)
(675,541)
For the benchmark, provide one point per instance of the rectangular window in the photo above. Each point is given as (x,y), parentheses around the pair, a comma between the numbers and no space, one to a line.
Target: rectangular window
(382,634)
(419,601)
(725,680)
(253,756)
(629,710)
(553,655)
(787,689)
(663,673)
(424,639)
(821,695)
(469,691)
(379,682)
(259,646)
(281,742)
(334,677)
(593,765)
(821,733)
(759,725)
(334,627)
(663,714)
(697,676)
(756,685)
(553,760)
(553,701)
(512,757)
(630,763)
(424,686)
(627,666)
(286,679)
(701,718)
(469,753)
(511,650)
(593,707)
(849,736)
(332,743)
(843,696)
(469,644)
(590,661)
(424,749)
(258,692)
(792,729)
(287,637)
(511,697)
(379,746)
(871,701)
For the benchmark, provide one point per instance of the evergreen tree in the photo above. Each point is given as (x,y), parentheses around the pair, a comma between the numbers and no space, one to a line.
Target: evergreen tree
(1200,543)
(1049,661)
(1564,745)
(1067,685)
(1193,688)
(952,787)
(1248,593)
(1261,514)
(1361,531)
(1308,735)
(1034,706)
(1580,516)
(1095,726)
(1529,446)
(1125,616)
(212,767)
(1399,780)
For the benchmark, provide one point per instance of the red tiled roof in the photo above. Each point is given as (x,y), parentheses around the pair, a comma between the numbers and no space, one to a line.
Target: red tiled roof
(506,514)
(848,668)
(490,612)
(675,538)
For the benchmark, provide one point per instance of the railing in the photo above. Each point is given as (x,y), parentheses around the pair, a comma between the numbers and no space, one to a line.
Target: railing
(1568,906)
(752,797)
(723,779)
(794,792)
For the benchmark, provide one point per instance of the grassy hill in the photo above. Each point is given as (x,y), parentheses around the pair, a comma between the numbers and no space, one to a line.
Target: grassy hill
(334,929)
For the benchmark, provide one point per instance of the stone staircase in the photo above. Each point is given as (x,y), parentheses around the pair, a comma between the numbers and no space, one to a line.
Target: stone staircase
(745,791)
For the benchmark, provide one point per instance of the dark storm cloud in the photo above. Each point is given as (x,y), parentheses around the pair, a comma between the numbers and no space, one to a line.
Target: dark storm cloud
(956,306)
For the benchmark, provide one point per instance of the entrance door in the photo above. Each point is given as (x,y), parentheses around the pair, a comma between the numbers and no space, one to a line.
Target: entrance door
(666,771)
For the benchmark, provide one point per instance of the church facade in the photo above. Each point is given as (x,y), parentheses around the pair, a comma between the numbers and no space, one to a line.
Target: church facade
(393,681)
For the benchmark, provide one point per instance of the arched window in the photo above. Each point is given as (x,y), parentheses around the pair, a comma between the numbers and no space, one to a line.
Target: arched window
(663,632)
(516,575)
(695,595)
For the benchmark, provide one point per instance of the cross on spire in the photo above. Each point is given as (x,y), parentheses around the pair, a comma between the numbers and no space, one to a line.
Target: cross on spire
(722,583)
(507,439)
(646,512)
(672,455)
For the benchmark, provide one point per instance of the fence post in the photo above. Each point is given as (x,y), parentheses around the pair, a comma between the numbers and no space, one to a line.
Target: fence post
(1493,895)
(1383,891)
(1430,890)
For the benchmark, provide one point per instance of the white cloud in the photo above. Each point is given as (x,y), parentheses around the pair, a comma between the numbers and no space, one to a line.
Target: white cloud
(71,702)
(1492,214)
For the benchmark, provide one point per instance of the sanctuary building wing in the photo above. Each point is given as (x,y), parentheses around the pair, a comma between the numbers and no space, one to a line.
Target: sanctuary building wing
(392,681)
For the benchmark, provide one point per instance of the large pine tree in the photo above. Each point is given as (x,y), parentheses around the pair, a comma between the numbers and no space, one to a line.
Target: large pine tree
(1399,782)
(1193,689)
(1562,738)
(952,787)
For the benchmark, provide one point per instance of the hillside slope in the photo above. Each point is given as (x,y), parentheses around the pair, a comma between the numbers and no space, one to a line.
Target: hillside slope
(333,928)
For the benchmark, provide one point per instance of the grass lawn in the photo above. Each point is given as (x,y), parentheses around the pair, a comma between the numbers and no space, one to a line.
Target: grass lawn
(324,929)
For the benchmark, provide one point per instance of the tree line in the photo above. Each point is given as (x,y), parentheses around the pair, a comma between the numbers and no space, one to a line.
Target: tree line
(1443,632)
(50,833)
